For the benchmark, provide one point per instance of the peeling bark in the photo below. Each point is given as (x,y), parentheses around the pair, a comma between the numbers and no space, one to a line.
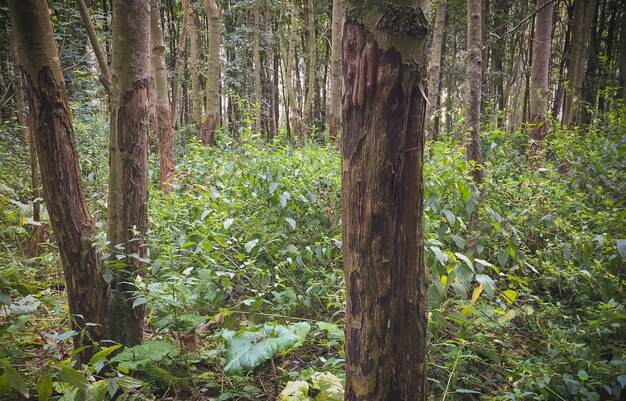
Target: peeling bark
(382,189)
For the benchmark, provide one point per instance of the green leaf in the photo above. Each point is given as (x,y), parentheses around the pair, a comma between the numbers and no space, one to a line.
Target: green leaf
(73,377)
(248,349)
(507,316)
(62,336)
(332,329)
(487,282)
(101,355)
(295,391)
(509,296)
(621,247)
(250,245)
(582,375)
(466,391)
(465,259)
(460,242)
(228,223)
(621,379)
(44,388)
(441,257)
(15,380)
(139,356)
(449,216)
(139,301)
(291,222)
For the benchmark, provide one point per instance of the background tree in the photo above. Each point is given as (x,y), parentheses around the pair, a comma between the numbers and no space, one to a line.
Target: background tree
(539,79)
(434,67)
(128,166)
(382,188)
(334,107)
(211,122)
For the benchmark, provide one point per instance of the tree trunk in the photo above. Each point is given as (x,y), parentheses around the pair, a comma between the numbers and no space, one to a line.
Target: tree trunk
(257,67)
(296,123)
(622,59)
(212,119)
(384,107)
(180,49)
(473,100)
(583,14)
(539,78)
(105,76)
(62,189)
(128,171)
(334,106)
(311,74)
(165,132)
(434,66)
(196,99)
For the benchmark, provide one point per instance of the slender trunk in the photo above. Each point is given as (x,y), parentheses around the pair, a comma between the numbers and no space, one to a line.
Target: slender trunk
(178,60)
(311,74)
(473,101)
(212,119)
(334,107)
(622,59)
(382,188)
(289,74)
(105,76)
(128,164)
(53,133)
(165,131)
(539,80)
(583,14)
(196,100)
(558,93)
(257,67)
(590,87)
(434,66)
(272,62)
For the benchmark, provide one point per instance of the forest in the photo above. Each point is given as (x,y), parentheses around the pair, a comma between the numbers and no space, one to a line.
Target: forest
(312,200)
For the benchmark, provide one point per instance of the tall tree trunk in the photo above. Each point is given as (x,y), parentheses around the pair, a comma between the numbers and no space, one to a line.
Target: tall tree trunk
(311,74)
(294,111)
(178,60)
(196,99)
(622,59)
(334,106)
(583,14)
(128,170)
(382,188)
(58,159)
(105,76)
(434,66)
(497,61)
(212,119)
(473,99)
(165,132)
(539,78)
(558,93)
(590,87)
(257,68)
(273,68)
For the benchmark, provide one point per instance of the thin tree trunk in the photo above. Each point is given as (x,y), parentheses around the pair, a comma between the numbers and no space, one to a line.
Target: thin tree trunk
(272,62)
(296,123)
(128,171)
(257,67)
(334,107)
(539,78)
(583,14)
(382,188)
(196,99)
(105,76)
(434,66)
(165,132)
(53,133)
(311,74)
(473,100)
(178,60)
(211,122)
(558,93)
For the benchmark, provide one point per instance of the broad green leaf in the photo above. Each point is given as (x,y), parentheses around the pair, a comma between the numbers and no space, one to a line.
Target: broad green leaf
(295,391)
(15,380)
(466,391)
(291,222)
(329,386)
(139,301)
(441,257)
(507,316)
(228,223)
(44,388)
(582,375)
(100,355)
(62,336)
(621,379)
(509,296)
(139,356)
(250,245)
(460,242)
(487,283)
(248,349)
(449,216)
(621,247)
(465,259)
(73,377)
(332,329)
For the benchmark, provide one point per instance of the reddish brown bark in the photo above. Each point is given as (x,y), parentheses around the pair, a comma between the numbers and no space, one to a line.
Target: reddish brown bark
(382,189)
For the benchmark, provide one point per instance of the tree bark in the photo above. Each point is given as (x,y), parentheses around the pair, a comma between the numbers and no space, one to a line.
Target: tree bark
(583,14)
(311,74)
(334,106)
(539,78)
(165,131)
(473,100)
(296,123)
(128,170)
(384,108)
(212,119)
(58,159)
(434,67)
(257,68)
(196,100)
(180,49)
(105,76)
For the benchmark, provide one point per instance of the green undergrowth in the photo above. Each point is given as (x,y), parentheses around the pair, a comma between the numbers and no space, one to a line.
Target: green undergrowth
(244,288)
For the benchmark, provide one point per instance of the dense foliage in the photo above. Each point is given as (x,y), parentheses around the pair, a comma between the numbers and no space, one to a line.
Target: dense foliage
(244,285)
